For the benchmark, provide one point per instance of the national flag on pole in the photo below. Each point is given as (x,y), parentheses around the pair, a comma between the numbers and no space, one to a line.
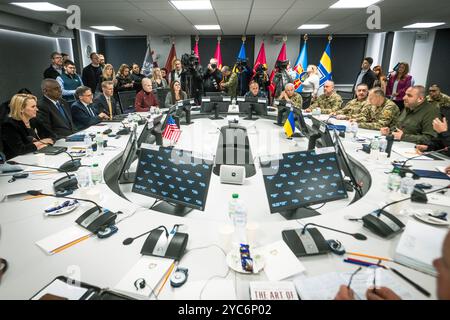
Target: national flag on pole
(300,68)
(261,58)
(147,66)
(218,55)
(324,68)
(242,56)
(289,125)
(171,58)
(171,132)
(281,57)
(196,52)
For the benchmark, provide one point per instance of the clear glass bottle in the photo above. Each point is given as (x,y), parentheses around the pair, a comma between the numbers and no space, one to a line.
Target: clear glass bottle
(96,174)
(407,184)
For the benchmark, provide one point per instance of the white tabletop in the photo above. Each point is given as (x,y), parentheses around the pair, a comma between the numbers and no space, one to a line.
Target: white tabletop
(103,262)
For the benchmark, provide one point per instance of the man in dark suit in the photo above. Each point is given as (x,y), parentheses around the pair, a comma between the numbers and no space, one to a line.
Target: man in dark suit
(56,67)
(366,75)
(105,101)
(175,74)
(54,112)
(84,113)
(92,73)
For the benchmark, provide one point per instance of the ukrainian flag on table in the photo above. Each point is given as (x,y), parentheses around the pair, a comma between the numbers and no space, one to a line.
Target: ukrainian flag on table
(289,125)
(300,69)
(325,66)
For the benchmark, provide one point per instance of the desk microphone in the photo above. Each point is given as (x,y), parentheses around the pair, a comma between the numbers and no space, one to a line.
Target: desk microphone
(128,241)
(404,169)
(69,182)
(68,166)
(357,236)
(95,219)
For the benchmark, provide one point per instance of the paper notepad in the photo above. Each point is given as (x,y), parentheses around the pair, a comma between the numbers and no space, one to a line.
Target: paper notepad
(279,261)
(419,245)
(150,268)
(326,286)
(62,289)
(62,238)
(409,153)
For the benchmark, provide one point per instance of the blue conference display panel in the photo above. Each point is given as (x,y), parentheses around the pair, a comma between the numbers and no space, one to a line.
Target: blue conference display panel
(299,179)
(173,175)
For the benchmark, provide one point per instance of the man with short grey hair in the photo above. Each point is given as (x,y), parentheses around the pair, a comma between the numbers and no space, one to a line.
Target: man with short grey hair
(415,123)
(290,95)
(329,101)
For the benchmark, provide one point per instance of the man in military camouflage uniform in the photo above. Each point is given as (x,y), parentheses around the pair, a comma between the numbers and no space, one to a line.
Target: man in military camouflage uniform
(415,123)
(380,112)
(230,81)
(437,97)
(329,101)
(354,107)
(290,95)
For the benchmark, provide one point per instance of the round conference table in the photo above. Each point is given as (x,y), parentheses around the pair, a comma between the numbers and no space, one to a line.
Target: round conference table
(104,262)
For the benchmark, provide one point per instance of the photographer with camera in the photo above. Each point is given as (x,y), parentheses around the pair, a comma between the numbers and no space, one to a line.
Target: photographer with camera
(262,78)
(192,77)
(244,76)
(212,77)
(282,77)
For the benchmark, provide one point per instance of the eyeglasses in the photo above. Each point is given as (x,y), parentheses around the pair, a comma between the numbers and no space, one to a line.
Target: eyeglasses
(351,277)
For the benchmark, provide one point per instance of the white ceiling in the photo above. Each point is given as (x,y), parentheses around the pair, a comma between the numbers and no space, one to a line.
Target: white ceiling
(239,17)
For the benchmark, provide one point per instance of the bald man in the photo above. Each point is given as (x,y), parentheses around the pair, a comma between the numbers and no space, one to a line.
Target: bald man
(290,95)
(329,101)
(442,266)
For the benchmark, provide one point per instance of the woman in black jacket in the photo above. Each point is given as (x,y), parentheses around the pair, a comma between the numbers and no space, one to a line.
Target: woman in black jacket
(22,132)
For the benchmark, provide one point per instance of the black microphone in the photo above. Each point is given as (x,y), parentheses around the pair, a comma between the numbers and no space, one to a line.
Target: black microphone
(128,241)
(68,166)
(357,236)
(423,154)
(12,162)
(411,197)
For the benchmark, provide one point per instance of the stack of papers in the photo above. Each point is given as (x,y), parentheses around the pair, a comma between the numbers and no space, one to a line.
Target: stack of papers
(326,286)
(419,245)
(63,239)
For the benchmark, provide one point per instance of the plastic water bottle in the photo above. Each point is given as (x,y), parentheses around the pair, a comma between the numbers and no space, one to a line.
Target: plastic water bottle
(354,129)
(383,144)
(238,215)
(394,180)
(84,177)
(88,145)
(375,148)
(96,174)
(99,141)
(407,184)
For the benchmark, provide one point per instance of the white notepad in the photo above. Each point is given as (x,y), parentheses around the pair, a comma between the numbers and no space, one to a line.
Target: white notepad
(150,268)
(419,245)
(66,236)
(279,261)
(62,289)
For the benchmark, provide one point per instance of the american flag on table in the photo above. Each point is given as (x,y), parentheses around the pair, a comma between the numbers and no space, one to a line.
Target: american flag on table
(171,132)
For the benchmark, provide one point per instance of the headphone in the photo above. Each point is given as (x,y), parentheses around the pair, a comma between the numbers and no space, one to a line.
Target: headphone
(336,247)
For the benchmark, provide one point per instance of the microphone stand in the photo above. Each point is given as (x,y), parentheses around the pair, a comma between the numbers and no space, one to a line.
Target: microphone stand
(358,236)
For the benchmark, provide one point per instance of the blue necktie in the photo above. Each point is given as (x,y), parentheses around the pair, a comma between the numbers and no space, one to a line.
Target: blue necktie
(61,111)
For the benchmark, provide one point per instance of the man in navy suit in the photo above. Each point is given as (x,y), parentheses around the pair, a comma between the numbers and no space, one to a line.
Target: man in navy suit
(54,112)
(84,113)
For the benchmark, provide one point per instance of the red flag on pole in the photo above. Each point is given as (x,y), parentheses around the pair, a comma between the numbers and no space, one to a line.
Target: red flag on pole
(196,52)
(218,54)
(172,56)
(261,58)
(281,57)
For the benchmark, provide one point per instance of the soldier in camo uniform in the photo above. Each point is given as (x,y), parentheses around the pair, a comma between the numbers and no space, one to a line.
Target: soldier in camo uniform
(329,101)
(354,107)
(437,97)
(381,112)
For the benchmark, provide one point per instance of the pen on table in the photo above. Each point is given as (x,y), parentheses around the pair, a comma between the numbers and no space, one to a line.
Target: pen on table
(70,244)
(358,263)
(169,272)
(365,262)
(412,283)
(368,256)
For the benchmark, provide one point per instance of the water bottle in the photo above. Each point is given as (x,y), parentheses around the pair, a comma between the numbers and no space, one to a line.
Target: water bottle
(375,148)
(394,180)
(84,177)
(99,141)
(383,144)
(96,174)
(88,145)
(354,130)
(407,184)
(238,215)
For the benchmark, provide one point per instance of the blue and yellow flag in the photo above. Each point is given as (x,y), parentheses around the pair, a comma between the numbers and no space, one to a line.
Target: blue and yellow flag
(289,125)
(300,69)
(242,56)
(325,65)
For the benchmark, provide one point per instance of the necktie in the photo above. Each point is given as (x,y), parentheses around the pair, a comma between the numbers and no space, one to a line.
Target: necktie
(110,107)
(61,111)
(91,113)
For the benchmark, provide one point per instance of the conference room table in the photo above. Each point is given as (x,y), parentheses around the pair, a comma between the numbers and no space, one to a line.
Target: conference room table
(104,262)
